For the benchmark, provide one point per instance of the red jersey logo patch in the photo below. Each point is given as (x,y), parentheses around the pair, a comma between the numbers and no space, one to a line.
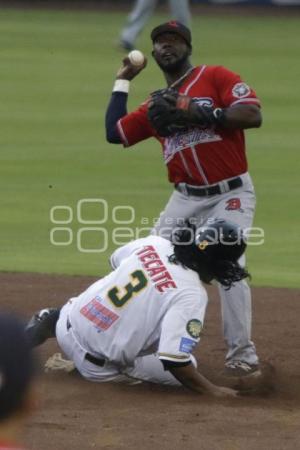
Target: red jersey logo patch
(102,317)
(240,90)
(234,204)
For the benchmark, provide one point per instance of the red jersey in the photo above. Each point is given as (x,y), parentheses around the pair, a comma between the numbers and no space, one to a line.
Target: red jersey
(201,155)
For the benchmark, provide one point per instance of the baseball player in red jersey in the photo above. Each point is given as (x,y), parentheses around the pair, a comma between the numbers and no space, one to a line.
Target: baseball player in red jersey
(199,120)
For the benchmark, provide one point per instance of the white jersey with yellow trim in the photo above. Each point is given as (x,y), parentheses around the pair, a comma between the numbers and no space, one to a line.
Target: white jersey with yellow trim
(146,305)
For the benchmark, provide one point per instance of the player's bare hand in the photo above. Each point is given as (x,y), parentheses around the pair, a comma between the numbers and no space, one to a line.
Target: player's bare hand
(224,392)
(129,71)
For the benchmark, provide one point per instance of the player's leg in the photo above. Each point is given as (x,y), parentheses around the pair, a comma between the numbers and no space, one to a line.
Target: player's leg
(137,19)
(180,11)
(66,341)
(150,368)
(178,208)
(42,326)
(74,352)
(237,318)
(238,206)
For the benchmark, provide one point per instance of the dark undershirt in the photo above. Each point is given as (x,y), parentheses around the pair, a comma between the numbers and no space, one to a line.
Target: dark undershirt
(172,364)
(116,109)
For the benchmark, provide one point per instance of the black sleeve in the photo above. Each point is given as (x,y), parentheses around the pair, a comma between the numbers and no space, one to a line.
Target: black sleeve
(171,364)
(116,109)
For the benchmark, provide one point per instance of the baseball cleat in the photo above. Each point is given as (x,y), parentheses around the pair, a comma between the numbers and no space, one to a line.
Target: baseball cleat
(42,326)
(241,369)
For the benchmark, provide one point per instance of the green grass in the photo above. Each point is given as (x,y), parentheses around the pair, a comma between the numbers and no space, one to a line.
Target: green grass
(57,70)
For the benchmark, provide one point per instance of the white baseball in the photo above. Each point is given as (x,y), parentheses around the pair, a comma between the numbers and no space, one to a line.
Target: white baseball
(136,57)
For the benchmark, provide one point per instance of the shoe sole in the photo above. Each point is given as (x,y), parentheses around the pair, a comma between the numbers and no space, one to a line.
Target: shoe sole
(236,374)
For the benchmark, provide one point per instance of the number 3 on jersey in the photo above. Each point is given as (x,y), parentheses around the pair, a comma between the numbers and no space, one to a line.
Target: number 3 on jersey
(138,282)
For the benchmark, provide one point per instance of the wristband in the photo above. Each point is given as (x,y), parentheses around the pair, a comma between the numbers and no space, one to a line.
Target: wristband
(121,86)
(183,102)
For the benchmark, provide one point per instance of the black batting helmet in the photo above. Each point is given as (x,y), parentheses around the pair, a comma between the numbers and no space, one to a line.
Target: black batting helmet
(220,239)
(212,250)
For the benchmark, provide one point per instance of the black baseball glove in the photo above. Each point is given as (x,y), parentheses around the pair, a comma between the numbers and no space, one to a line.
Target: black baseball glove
(170,112)
(163,113)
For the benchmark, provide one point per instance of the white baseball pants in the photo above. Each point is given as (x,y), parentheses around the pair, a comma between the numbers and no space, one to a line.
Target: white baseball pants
(146,368)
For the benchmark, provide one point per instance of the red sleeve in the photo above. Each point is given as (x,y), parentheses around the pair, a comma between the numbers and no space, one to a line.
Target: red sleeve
(232,89)
(135,126)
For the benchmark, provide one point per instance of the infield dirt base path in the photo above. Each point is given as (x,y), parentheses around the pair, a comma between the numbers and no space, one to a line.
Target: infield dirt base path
(79,415)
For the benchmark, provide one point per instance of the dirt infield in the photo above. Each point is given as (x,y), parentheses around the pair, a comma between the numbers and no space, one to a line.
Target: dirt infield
(75,414)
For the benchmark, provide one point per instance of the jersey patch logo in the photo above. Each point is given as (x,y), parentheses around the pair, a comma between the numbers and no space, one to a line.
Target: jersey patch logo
(187,345)
(102,317)
(194,328)
(241,90)
(234,204)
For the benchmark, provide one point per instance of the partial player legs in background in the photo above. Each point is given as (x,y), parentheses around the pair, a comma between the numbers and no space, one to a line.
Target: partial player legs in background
(141,13)
(180,11)
(137,19)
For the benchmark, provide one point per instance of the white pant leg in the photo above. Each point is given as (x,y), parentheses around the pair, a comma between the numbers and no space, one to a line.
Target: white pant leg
(137,19)
(150,368)
(180,11)
(65,340)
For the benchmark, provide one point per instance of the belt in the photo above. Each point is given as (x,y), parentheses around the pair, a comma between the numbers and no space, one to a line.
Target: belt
(92,359)
(215,189)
